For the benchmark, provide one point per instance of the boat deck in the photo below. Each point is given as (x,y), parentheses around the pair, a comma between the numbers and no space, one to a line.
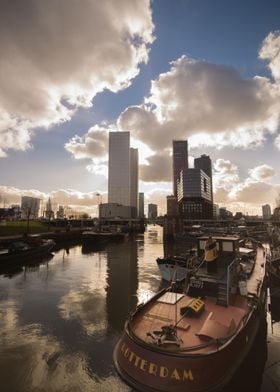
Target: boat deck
(214,322)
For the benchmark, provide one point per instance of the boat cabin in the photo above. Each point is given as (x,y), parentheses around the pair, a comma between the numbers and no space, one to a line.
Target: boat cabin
(218,274)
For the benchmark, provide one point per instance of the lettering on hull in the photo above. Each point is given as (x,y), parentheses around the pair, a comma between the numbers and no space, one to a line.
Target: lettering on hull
(155,369)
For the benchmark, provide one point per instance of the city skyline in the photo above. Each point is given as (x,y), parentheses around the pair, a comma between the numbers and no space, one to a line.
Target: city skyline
(205,72)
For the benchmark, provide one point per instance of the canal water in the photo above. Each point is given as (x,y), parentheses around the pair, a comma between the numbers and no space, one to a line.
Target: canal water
(60,320)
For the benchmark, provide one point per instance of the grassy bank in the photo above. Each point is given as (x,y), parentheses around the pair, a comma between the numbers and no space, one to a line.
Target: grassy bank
(20,227)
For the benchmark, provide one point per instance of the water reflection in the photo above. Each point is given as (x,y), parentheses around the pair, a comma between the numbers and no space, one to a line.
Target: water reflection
(122,283)
(60,320)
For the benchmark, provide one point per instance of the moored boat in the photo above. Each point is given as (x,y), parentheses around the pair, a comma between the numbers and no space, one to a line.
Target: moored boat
(195,340)
(95,237)
(273,267)
(29,248)
(174,268)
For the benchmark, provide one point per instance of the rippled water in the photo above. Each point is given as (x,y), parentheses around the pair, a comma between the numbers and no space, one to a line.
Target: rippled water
(60,320)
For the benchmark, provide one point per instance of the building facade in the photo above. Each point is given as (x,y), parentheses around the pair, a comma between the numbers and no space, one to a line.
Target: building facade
(123,172)
(114,210)
(266,211)
(180,161)
(152,211)
(141,205)
(30,207)
(134,174)
(119,168)
(194,194)
(204,163)
(171,205)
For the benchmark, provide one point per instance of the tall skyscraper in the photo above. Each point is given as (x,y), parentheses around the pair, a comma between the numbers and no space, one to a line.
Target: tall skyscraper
(180,161)
(141,205)
(123,172)
(172,205)
(152,211)
(266,211)
(204,163)
(134,181)
(119,168)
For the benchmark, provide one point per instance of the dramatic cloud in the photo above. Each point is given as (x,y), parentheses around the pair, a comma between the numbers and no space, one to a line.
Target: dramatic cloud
(225,175)
(158,168)
(277,142)
(208,104)
(262,173)
(93,144)
(270,51)
(253,191)
(197,99)
(57,55)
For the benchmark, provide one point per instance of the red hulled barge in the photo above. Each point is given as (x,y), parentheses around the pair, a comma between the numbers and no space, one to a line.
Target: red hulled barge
(195,340)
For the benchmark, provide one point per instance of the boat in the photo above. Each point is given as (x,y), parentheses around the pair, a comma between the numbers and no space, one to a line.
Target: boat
(195,339)
(27,249)
(174,268)
(273,267)
(101,237)
(274,303)
(189,235)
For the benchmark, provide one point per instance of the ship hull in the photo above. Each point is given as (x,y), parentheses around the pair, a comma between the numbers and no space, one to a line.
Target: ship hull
(150,369)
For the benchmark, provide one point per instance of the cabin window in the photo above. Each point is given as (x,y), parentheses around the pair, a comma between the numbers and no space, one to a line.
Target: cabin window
(227,246)
(202,244)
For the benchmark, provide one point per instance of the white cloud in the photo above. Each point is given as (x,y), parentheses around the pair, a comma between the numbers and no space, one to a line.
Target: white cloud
(252,191)
(270,51)
(93,144)
(57,55)
(277,142)
(158,168)
(225,176)
(262,173)
(208,104)
(257,193)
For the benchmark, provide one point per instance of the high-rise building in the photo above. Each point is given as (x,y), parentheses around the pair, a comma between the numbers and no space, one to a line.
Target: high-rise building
(119,168)
(49,213)
(123,172)
(172,205)
(180,161)
(141,205)
(204,163)
(266,211)
(194,194)
(152,211)
(60,212)
(134,182)
(30,207)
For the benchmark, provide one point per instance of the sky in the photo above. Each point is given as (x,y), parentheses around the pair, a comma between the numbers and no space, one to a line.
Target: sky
(206,71)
